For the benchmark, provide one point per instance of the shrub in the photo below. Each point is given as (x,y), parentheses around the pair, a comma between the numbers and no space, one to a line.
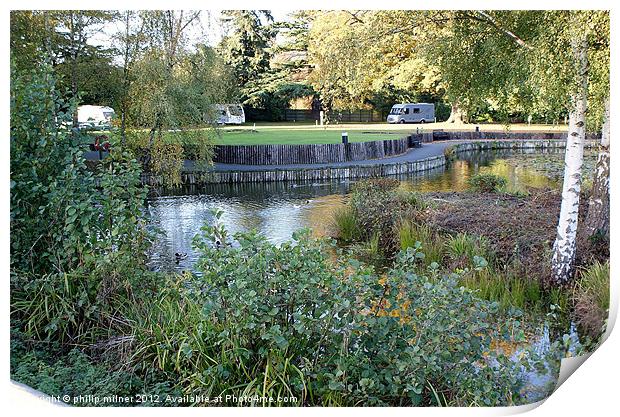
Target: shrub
(378,205)
(450,154)
(74,232)
(293,320)
(487,183)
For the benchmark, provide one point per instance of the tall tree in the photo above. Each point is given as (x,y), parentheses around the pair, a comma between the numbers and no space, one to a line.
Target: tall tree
(28,34)
(167,33)
(597,220)
(564,248)
(129,39)
(540,60)
(246,45)
(74,29)
(364,58)
(174,81)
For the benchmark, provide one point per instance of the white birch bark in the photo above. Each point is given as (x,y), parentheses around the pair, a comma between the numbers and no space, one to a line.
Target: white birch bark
(597,220)
(562,263)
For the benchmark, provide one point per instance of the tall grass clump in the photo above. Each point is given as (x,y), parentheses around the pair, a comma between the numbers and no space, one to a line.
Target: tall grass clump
(506,288)
(346,225)
(591,298)
(463,247)
(410,233)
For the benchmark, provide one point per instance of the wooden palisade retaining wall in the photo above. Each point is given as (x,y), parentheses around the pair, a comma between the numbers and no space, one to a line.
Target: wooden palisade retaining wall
(356,171)
(309,154)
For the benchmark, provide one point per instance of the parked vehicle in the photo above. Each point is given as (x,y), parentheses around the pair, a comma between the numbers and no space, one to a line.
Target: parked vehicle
(230,114)
(412,113)
(94,117)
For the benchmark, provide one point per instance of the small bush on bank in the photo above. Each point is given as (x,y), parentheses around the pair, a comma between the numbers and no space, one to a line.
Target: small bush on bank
(450,154)
(375,208)
(487,183)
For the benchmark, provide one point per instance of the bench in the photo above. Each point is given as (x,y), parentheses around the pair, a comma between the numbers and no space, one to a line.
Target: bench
(440,135)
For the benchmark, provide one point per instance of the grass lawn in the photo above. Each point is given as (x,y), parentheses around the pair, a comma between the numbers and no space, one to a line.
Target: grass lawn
(265,136)
(307,133)
(304,133)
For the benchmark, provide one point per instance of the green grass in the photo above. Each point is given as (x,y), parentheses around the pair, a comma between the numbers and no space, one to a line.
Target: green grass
(594,283)
(506,288)
(467,246)
(263,136)
(591,299)
(345,224)
(309,133)
(409,233)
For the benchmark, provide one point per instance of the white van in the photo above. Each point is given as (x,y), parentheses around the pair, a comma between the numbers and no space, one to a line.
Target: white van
(412,113)
(230,114)
(95,116)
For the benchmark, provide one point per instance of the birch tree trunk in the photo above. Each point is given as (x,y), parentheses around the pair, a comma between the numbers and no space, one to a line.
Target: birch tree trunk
(597,220)
(562,263)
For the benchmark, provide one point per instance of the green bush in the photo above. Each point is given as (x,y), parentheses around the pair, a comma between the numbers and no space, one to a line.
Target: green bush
(378,205)
(487,183)
(293,320)
(450,154)
(75,232)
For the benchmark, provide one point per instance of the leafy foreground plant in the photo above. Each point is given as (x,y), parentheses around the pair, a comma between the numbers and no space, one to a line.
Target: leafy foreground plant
(78,235)
(296,321)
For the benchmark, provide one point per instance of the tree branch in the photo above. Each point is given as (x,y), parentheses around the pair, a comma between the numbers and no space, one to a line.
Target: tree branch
(486,18)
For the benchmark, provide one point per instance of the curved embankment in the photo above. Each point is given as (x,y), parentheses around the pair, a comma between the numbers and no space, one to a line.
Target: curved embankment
(310,153)
(406,164)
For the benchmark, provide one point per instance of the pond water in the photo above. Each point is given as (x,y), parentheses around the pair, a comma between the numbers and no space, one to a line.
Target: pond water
(277,209)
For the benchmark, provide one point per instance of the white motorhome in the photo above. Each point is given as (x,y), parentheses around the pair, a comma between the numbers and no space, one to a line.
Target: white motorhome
(230,114)
(412,113)
(95,116)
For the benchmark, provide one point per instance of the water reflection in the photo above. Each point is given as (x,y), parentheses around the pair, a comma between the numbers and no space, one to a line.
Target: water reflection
(277,209)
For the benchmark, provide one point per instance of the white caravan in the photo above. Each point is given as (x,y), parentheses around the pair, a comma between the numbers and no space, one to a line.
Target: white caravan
(229,114)
(412,113)
(95,116)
